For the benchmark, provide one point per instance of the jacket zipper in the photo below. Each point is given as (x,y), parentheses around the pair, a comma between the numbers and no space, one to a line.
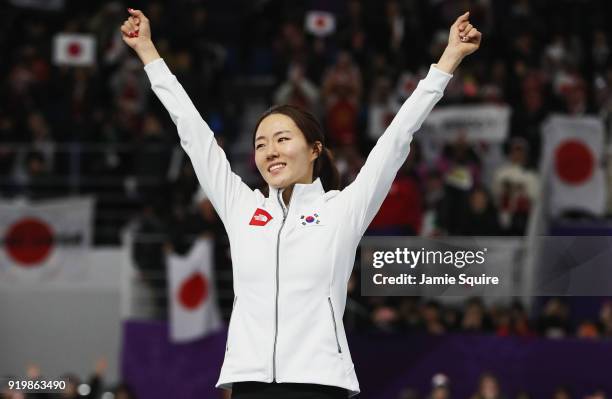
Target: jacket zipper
(278,197)
(230,322)
(331,308)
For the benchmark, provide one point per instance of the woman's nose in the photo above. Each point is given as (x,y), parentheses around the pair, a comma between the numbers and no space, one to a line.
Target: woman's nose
(272,152)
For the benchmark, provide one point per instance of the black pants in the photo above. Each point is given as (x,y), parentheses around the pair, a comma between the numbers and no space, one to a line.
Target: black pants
(262,390)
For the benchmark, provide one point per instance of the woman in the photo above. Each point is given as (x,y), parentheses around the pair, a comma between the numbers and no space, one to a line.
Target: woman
(293,250)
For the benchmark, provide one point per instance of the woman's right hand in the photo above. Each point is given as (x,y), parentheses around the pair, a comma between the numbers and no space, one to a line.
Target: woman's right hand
(136,33)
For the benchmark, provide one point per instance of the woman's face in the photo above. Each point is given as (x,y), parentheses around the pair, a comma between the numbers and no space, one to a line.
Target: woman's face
(282,154)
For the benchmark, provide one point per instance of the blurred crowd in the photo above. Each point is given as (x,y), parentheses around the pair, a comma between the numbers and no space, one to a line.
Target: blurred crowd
(99,130)
(488,387)
(553,318)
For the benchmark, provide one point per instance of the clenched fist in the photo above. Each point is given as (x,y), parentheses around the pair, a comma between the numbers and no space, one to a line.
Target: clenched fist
(463,40)
(136,30)
(463,37)
(136,33)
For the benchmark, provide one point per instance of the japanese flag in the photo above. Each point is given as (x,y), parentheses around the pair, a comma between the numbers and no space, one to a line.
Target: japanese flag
(320,23)
(74,49)
(194,311)
(572,162)
(46,242)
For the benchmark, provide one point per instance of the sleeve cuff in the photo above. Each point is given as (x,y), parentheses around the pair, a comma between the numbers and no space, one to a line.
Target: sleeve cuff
(437,78)
(156,70)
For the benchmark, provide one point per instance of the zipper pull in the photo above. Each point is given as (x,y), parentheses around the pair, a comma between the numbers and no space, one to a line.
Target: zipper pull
(282,204)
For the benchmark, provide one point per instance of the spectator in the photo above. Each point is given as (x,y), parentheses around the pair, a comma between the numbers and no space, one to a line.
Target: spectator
(289,45)
(342,90)
(562,392)
(401,212)
(554,322)
(385,318)
(8,154)
(349,161)
(381,110)
(587,329)
(151,159)
(599,394)
(432,318)
(148,253)
(488,387)
(451,319)
(7,393)
(605,319)
(41,138)
(39,182)
(434,204)
(572,91)
(495,89)
(600,51)
(474,317)
(130,90)
(410,314)
(298,90)
(183,188)
(503,322)
(461,169)
(532,107)
(123,391)
(440,387)
(76,389)
(481,219)
(520,321)
(523,395)
(515,189)
(408,393)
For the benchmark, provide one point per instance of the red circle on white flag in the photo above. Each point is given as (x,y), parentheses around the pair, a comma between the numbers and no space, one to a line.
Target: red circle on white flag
(574,162)
(193,291)
(29,241)
(74,49)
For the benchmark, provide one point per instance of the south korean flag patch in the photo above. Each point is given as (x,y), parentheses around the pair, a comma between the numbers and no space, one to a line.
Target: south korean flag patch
(311,219)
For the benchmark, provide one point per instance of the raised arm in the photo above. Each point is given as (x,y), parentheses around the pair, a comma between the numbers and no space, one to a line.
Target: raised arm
(364,196)
(223,187)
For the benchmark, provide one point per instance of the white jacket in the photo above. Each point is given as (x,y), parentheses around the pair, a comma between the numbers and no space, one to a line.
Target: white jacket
(291,264)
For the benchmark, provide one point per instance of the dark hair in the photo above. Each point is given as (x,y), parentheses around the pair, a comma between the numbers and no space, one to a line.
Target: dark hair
(324,166)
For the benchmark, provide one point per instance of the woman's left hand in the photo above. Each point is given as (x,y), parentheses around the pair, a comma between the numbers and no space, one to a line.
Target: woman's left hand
(463,40)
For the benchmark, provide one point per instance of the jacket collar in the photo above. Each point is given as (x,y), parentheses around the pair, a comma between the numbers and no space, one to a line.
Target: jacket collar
(302,193)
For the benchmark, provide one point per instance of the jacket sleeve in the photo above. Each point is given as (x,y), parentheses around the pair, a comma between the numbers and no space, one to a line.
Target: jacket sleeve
(366,193)
(224,188)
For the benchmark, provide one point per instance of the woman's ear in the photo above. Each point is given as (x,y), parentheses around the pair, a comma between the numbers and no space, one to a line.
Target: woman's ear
(317,149)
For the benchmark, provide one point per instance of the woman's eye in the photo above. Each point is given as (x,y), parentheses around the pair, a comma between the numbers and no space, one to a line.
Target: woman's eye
(283,138)
(258,146)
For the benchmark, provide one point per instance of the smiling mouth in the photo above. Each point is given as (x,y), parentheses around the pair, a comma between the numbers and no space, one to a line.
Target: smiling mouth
(276,168)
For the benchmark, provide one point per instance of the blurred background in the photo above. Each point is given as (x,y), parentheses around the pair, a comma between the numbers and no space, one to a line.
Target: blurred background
(115,270)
